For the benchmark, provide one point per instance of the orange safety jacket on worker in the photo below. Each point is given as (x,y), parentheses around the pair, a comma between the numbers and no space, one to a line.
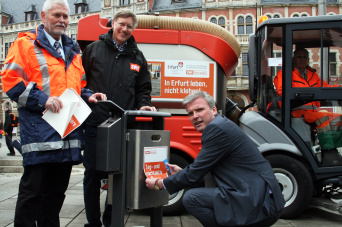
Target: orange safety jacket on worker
(326,122)
(33,72)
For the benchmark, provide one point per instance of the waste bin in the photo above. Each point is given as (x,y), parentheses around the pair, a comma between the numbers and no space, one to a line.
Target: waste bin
(120,153)
(138,196)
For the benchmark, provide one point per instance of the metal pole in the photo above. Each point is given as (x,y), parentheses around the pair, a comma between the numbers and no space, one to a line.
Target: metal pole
(322,10)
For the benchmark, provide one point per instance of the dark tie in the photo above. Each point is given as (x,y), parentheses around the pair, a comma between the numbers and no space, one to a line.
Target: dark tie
(58,47)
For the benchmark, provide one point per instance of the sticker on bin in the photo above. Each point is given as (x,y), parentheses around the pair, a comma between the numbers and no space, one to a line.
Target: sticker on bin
(154,166)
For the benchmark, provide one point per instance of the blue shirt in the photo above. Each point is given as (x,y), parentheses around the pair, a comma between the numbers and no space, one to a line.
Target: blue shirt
(52,42)
(122,47)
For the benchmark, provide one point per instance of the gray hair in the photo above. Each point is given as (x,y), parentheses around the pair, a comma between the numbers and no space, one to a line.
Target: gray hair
(126,13)
(48,5)
(199,94)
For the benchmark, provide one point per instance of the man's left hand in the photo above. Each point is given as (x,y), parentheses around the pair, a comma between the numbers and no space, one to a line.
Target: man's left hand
(97,96)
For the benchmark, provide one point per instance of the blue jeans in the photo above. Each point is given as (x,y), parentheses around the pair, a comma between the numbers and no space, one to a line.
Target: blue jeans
(92,183)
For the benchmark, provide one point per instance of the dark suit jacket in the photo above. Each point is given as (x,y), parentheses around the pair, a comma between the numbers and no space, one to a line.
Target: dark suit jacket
(243,177)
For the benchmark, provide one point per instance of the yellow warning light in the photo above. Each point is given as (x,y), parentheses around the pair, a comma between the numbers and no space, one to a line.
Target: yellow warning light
(262,18)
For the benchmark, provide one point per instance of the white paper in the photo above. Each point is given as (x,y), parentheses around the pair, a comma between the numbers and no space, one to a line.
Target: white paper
(74,112)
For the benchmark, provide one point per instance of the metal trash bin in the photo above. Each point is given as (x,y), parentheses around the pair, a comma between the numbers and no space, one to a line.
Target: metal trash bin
(138,196)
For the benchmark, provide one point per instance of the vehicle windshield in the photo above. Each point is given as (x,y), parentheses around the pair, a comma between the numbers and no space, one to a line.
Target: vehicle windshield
(314,68)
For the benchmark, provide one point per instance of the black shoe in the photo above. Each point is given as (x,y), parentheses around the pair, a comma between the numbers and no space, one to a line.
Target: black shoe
(11,154)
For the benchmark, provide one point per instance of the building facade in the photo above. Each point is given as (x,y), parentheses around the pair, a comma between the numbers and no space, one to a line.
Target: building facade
(239,17)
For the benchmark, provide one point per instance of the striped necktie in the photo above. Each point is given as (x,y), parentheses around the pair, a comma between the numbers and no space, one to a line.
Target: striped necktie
(58,47)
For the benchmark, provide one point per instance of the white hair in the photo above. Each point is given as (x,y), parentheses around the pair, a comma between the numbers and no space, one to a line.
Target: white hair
(48,5)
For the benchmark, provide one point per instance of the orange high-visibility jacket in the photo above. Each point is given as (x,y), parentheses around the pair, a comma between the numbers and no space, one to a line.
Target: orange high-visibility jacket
(313,80)
(33,72)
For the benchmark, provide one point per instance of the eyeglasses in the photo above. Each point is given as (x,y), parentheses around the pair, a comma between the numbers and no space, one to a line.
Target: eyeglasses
(123,25)
(301,57)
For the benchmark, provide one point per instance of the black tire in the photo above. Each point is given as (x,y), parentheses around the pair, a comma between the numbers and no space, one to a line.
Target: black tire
(175,205)
(295,182)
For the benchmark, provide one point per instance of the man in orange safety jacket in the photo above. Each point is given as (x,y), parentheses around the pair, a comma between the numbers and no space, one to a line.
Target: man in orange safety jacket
(40,66)
(327,124)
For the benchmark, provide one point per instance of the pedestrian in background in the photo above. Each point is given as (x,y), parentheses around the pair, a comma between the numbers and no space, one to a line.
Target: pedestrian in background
(8,128)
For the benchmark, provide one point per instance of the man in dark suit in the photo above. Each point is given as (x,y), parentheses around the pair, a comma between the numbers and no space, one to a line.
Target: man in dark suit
(246,192)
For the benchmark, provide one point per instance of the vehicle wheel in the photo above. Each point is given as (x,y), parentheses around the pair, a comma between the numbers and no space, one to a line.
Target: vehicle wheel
(175,205)
(295,182)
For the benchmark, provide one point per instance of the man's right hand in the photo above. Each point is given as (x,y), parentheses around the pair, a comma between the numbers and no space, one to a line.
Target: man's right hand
(54,104)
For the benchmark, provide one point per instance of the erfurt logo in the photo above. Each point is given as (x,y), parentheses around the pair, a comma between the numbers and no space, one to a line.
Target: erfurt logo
(135,67)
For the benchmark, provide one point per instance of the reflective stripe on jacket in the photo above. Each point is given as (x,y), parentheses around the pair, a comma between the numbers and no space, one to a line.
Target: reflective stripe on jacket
(33,72)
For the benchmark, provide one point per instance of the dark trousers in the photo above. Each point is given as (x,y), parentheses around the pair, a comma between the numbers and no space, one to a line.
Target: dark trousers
(8,138)
(200,203)
(41,194)
(92,183)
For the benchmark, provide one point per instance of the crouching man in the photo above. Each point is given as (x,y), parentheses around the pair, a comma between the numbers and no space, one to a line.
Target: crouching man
(246,192)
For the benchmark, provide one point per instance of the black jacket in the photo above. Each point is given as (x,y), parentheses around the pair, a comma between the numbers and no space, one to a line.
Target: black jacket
(8,120)
(123,77)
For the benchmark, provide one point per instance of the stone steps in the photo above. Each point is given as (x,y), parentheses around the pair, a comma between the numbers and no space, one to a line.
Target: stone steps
(16,166)
(11,166)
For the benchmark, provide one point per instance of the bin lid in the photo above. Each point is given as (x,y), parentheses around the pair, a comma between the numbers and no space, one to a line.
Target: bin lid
(144,113)
(110,106)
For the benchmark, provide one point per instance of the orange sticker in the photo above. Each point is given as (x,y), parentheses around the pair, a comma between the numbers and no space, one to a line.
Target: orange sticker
(135,67)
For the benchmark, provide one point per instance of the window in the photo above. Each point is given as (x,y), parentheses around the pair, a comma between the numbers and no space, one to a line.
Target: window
(295,15)
(125,2)
(275,70)
(78,9)
(7,46)
(249,25)
(73,37)
(178,1)
(241,25)
(29,16)
(213,20)
(81,6)
(245,26)
(276,16)
(244,64)
(332,64)
(222,22)
(30,13)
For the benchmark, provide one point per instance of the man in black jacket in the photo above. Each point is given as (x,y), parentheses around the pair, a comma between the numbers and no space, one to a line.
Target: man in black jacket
(116,67)
(8,128)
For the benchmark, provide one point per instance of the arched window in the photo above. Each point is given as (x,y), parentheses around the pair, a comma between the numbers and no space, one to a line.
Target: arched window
(245,26)
(269,16)
(276,16)
(241,25)
(222,22)
(295,15)
(213,20)
(249,25)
